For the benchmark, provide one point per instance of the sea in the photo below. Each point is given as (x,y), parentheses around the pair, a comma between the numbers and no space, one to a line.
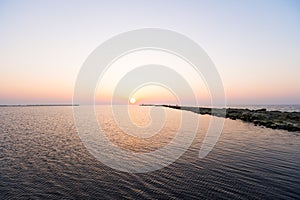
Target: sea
(43,156)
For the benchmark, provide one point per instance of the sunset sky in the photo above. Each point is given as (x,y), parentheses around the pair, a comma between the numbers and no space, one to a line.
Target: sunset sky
(255,45)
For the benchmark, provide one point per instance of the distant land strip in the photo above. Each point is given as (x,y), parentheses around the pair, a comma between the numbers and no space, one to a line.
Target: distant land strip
(289,121)
(37,105)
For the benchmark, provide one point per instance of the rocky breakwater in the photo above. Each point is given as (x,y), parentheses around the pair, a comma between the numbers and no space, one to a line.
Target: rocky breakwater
(289,121)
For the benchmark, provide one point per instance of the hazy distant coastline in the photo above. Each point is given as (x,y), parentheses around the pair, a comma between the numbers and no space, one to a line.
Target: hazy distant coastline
(37,105)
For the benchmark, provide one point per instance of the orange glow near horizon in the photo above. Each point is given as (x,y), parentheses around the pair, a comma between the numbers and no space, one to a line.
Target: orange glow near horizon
(37,94)
(47,93)
(147,94)
(154,94)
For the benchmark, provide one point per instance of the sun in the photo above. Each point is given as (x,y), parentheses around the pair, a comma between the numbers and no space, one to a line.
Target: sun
(132,100)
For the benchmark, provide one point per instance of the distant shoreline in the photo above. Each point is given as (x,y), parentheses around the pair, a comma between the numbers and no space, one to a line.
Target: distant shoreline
(38,105)
(289,121)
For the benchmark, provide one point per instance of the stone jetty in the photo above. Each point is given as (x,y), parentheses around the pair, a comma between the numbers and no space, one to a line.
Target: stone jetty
(289,121)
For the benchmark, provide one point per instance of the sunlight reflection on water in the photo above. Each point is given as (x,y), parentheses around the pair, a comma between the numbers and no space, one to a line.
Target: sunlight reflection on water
(42,156)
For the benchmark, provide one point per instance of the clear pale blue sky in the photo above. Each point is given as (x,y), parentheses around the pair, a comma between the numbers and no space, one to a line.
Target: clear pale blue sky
(254,44)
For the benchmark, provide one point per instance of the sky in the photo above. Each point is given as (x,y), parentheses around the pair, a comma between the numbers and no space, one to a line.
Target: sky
(254,45)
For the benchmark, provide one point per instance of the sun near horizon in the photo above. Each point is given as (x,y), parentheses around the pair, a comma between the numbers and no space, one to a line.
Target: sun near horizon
(132,100)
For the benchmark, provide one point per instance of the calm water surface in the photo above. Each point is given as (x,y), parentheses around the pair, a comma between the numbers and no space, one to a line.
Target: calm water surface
(42,156)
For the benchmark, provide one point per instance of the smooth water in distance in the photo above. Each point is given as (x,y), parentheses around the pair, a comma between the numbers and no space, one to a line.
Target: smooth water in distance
(42,156)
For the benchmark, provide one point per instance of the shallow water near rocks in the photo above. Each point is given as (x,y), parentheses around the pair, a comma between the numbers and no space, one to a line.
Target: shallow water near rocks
(42,156)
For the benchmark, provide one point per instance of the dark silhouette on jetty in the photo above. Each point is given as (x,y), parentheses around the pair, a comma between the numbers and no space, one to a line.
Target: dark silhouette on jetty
(289,121)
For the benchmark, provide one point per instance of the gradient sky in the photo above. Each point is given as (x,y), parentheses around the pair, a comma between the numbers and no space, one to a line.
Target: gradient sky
(255,45)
